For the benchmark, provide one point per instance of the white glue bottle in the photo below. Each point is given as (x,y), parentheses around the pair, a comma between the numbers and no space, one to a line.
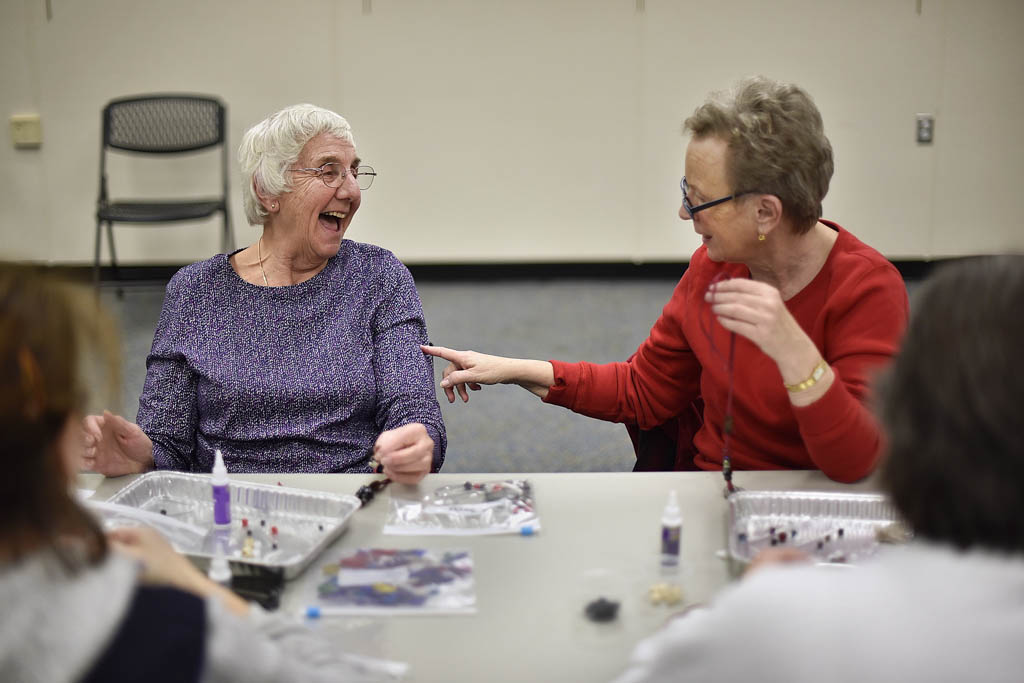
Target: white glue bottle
(220,570)
(221,494)
(671,532)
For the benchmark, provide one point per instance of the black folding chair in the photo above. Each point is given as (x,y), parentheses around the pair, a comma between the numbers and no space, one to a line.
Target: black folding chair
(160,124)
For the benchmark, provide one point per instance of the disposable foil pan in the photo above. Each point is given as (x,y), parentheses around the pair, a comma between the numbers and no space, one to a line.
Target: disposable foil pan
(831,527)
(271,526)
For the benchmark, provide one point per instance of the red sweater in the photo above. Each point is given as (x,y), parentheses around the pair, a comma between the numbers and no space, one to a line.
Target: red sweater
(855,310)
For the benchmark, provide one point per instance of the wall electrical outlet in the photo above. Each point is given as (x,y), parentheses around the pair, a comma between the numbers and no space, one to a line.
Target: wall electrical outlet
(925,128)
(26,131)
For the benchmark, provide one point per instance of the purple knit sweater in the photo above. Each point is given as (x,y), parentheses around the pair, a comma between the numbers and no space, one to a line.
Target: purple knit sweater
(288,379)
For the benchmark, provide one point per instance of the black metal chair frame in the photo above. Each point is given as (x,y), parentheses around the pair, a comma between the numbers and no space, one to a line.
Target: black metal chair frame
(160,124)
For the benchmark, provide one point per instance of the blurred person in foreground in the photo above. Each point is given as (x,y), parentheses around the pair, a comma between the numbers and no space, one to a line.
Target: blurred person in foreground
(949,605)
(79,605)
(299,353)
(775,328)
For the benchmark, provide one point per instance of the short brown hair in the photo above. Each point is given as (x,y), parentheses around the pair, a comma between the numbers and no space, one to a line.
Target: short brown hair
(776,141)
(951,402)
(47,327)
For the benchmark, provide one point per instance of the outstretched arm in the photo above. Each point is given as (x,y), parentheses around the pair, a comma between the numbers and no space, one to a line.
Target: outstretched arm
(472,369)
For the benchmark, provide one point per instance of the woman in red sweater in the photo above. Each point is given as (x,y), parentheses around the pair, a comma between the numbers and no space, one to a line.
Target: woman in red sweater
(776,326)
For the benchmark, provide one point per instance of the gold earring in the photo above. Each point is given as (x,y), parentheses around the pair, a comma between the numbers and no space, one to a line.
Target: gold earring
(761,237)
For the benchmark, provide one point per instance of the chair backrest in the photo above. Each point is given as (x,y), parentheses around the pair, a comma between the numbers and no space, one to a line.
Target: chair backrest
(163,123)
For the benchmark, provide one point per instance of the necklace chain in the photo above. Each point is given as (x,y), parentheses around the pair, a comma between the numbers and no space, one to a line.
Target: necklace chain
(259,250)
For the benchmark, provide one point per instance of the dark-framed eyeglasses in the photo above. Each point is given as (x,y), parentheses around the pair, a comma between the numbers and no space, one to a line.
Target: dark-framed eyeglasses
(691,209)
(333,174)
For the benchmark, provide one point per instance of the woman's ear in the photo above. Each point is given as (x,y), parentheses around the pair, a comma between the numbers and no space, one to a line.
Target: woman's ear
(269,204)
(769,213)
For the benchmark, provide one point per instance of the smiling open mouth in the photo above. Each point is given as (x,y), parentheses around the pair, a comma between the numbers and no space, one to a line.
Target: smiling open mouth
(332,219)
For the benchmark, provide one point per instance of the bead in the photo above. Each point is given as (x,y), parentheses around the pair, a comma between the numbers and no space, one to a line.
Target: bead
(665,593)
(602,610)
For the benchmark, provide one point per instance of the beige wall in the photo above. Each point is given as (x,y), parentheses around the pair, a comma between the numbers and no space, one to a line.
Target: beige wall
(535,130)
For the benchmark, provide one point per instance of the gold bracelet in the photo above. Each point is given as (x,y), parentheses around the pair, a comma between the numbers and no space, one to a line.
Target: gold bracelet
(817,373)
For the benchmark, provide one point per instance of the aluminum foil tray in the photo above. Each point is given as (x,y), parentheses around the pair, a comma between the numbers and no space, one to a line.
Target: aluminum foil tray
(271,526)
(831,527)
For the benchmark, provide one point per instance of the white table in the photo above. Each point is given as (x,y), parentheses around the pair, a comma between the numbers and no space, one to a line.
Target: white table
(600,536)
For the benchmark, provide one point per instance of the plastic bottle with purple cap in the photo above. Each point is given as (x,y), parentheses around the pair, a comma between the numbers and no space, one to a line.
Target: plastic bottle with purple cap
(671,533)
(220,571)
(221,492)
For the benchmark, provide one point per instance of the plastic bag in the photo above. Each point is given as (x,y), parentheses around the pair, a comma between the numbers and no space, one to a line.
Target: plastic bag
(382,581)
(471,508)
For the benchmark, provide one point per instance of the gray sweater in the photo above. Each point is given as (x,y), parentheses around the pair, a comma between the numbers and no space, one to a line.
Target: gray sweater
(54,628)
(917,613)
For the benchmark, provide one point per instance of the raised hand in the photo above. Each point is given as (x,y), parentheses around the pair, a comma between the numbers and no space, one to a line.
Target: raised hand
(755,310)
(115,446)
(406,453)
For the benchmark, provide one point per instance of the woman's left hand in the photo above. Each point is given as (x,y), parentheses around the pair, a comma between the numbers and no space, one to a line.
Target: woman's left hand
(756,311)
(406,453)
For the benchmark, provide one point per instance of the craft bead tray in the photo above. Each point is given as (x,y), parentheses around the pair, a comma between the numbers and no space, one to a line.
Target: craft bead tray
(271,526)
(831,527)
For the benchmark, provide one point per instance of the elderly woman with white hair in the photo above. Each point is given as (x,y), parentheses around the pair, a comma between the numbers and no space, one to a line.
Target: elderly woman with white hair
(298,353)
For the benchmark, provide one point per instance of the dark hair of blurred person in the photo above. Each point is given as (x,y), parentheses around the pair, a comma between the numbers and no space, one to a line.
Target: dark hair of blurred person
(952,404)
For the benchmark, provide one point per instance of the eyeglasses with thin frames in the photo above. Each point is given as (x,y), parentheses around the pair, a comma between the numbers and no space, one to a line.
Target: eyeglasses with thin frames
(691,209)
(333,174)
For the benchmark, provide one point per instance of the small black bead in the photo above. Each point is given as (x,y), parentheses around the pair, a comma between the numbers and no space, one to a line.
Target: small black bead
(820,545)
(602,610)
(163,512)
(774,542)
(840,533)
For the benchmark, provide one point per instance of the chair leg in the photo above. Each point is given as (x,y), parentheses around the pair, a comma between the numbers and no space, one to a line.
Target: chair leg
(228,238)
(113,258)
(96,258)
